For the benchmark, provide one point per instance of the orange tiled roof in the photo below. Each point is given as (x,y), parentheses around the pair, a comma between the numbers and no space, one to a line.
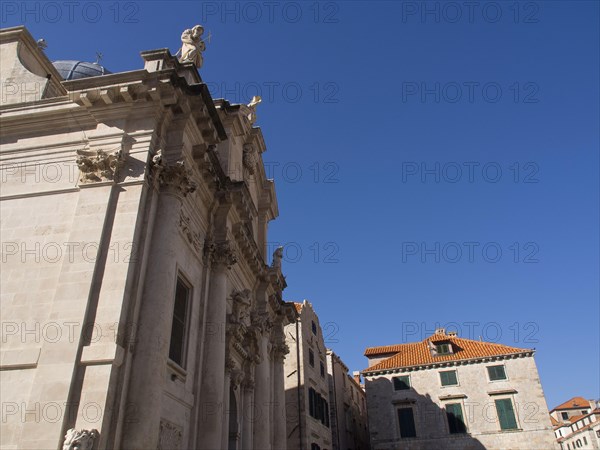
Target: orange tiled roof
(298,307)
(574,403)
(419,354)
(554,422)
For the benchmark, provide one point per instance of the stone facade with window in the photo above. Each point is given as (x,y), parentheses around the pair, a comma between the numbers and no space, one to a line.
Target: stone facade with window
(306,383)
(349,424)
(446,392)
(138,306)
(577,424)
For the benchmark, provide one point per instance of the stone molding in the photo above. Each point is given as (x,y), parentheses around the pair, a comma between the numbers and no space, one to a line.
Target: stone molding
(97,165)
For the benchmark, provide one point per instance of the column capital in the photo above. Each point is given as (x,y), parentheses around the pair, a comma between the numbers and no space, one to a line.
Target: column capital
(172,177)
(220,254)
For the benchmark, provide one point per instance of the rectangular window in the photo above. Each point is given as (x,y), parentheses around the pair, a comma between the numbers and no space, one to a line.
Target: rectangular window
(322,370)
(506,414)
(407,423)
(314,328)
(179,327)
(565,416)
(401,383)
(456,420)
(496,373)
(448,378)
(443,349)
(311,358)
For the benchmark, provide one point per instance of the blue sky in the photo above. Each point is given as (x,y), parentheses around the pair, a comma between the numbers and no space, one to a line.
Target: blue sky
(434,164)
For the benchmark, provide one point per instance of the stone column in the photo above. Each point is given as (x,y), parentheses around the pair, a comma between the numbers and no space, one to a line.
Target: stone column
(247,412)
(212,389)
(262,394)
(279,417)
(156,315)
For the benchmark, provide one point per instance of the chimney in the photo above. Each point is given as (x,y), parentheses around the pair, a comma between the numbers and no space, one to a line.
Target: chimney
(356,376)
(440,331)
(452,333)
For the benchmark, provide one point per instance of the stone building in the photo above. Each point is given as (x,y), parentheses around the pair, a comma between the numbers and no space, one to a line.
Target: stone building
(138,308)
(446,392)
(349,424)
(577,424)
(307,402)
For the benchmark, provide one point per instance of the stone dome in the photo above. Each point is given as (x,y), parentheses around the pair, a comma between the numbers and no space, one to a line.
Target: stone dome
(73,70)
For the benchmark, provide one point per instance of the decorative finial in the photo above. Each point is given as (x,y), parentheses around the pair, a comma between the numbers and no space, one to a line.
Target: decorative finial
(98,57)
(192,46)
(41,43)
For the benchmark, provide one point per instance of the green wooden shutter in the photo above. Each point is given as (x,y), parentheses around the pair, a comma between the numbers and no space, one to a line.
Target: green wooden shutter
(506,414)
(448,378)
(456,422)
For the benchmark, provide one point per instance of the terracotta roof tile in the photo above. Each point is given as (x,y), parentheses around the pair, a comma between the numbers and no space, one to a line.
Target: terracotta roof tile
(298,307)
(419,353)
(574,403)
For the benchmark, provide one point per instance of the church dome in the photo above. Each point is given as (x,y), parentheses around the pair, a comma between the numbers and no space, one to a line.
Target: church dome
(73,70)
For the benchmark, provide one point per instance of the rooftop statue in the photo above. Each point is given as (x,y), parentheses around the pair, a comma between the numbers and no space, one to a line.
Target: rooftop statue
(192,46)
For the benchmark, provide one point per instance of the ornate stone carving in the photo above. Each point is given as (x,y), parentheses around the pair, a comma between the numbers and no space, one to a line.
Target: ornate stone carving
(80,439)
(98,165)
(262,322)
(249,158)
(174,175)
(192,46)
(229,363)
(170,436)
(222,254)
(192,237)
(240,308)
(236,378)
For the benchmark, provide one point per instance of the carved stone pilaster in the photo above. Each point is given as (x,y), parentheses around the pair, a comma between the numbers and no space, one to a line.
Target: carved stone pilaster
(221,254)
(97,165)
(173,176)
(170,436)
(262,322)
(80,439)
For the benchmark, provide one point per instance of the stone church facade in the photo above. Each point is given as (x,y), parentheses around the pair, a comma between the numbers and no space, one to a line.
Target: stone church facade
(139,310)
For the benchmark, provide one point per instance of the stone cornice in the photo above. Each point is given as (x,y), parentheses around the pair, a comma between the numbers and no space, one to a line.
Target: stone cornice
(442,364)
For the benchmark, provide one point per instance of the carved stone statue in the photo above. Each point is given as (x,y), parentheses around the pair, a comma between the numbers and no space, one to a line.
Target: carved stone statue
(252,106)
(277,257)
(192,46)
(80,439)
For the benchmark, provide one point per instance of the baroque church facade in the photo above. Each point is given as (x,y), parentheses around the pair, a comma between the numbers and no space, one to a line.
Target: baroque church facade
(139,310)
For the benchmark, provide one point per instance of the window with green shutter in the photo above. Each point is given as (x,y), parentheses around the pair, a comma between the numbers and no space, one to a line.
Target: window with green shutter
(401,383)
(496,373)
(448,378)
(506,414)
(407,423)
(456,421)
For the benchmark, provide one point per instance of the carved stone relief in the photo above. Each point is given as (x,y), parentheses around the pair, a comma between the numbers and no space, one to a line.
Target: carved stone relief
(80,439)
(170,436)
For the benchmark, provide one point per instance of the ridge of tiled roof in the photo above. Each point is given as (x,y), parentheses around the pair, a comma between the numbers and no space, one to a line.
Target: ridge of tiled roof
(419,354)
(573,403)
